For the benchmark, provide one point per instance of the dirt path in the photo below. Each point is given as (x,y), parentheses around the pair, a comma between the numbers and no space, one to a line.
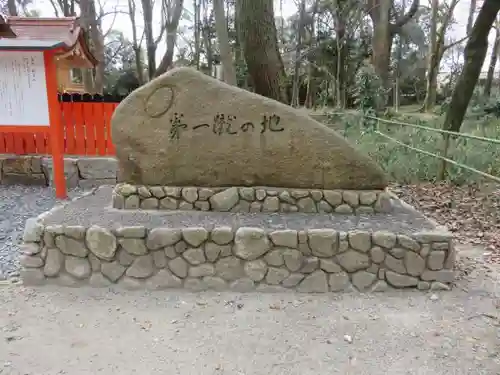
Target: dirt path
(83,331)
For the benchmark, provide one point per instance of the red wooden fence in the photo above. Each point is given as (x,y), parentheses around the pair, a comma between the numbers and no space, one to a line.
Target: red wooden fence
(87,128)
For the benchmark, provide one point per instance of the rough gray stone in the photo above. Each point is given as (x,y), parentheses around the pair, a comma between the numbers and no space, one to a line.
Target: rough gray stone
(180,247)
(436,285)
(353,261)
(306,205)
(132,202)
(285,238)
(173,191)
(297,194)
(95,263)
(362,280)
(334,198)
(242,285)
(32,248)
(397,265)
(381,273)
(185,206)
(179,267)
(384,239)
(377,254)
(205,269)
(202,206)
(242,206)
(330,266)
(53,262)
(77,267)
(190,194)
(255,207)
(275,257)
(251,243)
(380,286)
(149,204)
(222,235)
(260,194)
(338,281)
(143,192)
(450,258)
(414,263)
(33,230)
(134,246)
(131,232)
(212,251)
(286,197)
(400,281)
(159,259)
(275,275)
(344,209)
(351,198)
(423,285)
(194,256)
(214,283)
(161,237)
(383,203)
(157,191)
(429,237)
(408,243)
(98,280)
(225,200)
(163,280)
(360,240)
(426,249)
(101,242)
(256,269)
(271,204)
(293,259)
(170,251)
(71,246)
(131,283)
(264,288)
(373,269)
(92,168)
(317,195)
(247,193)
(435,260)
(169,203)
(205,193)
(443,276)
(195,236)
(367,198)
(315,282)
(293,280)
(31,261)
(75,231)
(124,258)
(113,270)
(142,267)
(440,246)
(229,268)
(48,240)
(323,242)
(398,252)
(310,264)
(364,210)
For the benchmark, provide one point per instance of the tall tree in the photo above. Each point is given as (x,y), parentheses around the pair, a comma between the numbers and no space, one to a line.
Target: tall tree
(493,60)
(470,18)
(135,42)
(298,49)
(437,48)
(228,71)
(172,11)
(474,55)
(258,35)
(384,30)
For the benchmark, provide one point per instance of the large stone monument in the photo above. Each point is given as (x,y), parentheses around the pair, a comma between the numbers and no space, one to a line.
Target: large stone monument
(220,189)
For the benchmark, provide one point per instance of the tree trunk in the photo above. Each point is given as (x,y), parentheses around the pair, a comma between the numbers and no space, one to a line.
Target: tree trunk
(173,15)
(430,95)
(298,49)
(197,28)
(147,15)
(135,43)
(493,62)
(474,55)
(228,71)
(258,35)
(12,7)
(470,18)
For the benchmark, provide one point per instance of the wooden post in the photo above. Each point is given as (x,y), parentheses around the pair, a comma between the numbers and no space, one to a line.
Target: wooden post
(56,129)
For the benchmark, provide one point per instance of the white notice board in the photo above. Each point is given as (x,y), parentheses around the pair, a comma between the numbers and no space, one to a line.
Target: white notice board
(23,90)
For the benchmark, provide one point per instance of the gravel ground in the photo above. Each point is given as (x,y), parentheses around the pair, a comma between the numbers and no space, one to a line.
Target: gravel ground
(54,330)
(18,203)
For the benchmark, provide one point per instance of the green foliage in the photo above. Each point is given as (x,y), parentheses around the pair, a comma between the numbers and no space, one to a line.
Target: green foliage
(368,91)
(408,166)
